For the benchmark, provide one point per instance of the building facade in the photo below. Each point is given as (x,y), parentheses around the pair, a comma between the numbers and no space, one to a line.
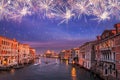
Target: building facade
(50,54)
(26,53)
(12,52)
(107,51)
(74,55)
(8,52)
(87,54)
(65,54)
(32,54)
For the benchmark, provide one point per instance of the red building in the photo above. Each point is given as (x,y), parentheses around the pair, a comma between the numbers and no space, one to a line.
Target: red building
(65,54)
(107,51)
(12,52)
(8,51)
(32,54)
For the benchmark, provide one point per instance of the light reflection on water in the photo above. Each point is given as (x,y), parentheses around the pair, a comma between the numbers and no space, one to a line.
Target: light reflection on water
(12,71)
(66,62)
(50,71)
(73,73)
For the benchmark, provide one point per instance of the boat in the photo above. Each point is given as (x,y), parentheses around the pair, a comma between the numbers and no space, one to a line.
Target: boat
(18,67)
(46,62)
(4,69)
(70,61)
(56,61)
(39,62)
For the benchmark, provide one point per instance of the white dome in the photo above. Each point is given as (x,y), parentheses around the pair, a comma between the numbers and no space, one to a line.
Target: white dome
(48,52)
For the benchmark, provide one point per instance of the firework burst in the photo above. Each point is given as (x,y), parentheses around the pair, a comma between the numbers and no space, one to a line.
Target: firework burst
(45,7)
(114,7)
(82,8)
(3,9)
(65,14)
(60,9)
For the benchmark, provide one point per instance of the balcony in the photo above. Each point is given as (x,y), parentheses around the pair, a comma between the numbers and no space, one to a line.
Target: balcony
(8,54)
(106,48)
(108,60)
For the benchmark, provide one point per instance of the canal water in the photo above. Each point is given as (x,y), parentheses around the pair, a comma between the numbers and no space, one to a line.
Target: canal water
(49,69)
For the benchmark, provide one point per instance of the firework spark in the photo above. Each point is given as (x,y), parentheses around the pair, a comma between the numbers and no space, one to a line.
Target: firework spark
(114,6)
(104,16)
(60,9)
(82,7)
(45,6)
(3,9)
(65,14)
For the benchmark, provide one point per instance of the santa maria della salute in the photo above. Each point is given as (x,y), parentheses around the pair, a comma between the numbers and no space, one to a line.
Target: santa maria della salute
(50,54)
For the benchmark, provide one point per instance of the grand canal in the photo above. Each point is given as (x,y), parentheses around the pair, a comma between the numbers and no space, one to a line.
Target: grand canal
(50,71)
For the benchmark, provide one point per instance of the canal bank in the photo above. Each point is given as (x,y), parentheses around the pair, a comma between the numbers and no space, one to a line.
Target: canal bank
(19,66)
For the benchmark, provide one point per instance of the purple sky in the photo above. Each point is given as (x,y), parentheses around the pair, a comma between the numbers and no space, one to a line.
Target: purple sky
(43,35)
(44,32)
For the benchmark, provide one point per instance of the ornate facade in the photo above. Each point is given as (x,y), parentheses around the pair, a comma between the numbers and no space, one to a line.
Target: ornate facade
(12,52)
(107,51)
(8,51)
(87,54)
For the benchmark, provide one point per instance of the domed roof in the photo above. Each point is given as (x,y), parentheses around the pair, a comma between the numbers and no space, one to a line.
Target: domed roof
(63,50)
(48,52)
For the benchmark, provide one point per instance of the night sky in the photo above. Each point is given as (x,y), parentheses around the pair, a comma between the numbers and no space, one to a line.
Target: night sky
(43,26)
(47,34)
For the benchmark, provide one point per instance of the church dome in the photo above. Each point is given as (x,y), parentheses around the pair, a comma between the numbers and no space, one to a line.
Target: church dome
(48,52)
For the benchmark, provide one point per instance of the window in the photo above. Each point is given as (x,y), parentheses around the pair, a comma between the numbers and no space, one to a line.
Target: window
(2,42)
(117,42)
(88,64)
(114,56)
(106,71)
(113,67)
(110,69)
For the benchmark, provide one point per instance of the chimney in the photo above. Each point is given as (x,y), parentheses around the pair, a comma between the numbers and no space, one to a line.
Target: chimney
(98,38)
(117,26)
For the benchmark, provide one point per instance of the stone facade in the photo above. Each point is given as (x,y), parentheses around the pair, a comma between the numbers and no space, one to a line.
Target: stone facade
(32,54)
(8,52)
(87,55)
(74,55)
(65,54)
(50,54)
(70,55)
(12,52)
(107,51)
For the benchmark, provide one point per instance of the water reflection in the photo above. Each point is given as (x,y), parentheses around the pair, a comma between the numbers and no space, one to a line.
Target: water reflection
(50,71)
(66,62)
(73,73)
(12,71)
